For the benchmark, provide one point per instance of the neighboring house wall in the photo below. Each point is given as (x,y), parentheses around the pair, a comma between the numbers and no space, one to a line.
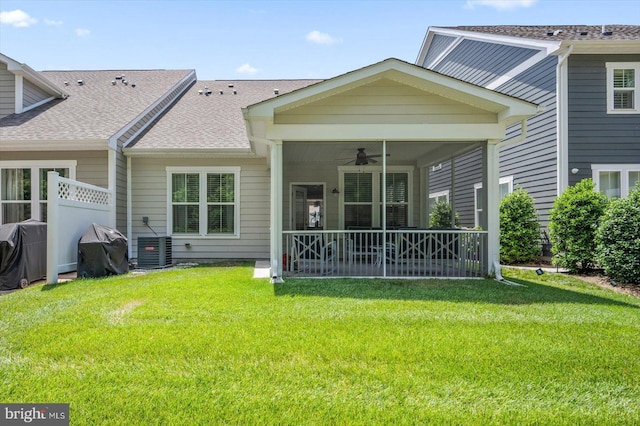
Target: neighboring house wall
(468,172)
(438,45)
(596,137)
(32,94)
(7,91)
(533,162)
(480,62)
(149,196)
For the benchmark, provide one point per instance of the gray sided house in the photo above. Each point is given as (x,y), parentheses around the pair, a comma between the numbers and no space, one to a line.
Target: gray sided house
(585,77)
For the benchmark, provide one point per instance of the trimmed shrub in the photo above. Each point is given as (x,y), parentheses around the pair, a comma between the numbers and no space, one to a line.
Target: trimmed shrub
(574,218)
(519,228)
(618,238)
(441,216)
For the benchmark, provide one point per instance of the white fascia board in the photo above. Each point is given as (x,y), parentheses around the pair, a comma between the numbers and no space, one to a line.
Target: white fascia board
(517,70)
(530,43)
(190,153)
(54,145)
(113,140)
(390,132)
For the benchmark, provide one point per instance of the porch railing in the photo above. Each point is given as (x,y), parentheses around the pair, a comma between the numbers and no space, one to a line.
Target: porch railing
(394,253)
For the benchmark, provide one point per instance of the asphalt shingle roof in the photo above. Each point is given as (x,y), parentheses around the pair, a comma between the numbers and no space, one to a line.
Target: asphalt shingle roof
(94,111)
(199,121)
(567,32)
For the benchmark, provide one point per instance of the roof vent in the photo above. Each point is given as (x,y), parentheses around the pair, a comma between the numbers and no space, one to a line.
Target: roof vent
(221,92)
(66,83)
(133,85)
(584,33)
(118,77)
(605,32)
(125,82)
(80,83)
(200,92)
(113,82)
(231,86)
(235,92)
(276,91)
(554,33)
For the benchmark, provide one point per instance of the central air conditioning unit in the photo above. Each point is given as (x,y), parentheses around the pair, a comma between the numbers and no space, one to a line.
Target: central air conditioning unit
(154,252)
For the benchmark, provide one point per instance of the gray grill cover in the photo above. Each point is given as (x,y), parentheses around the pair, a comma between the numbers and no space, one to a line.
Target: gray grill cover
(23,253)
(102,251)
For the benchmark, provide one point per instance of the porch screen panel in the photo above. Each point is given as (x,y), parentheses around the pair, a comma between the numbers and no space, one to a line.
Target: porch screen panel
(185,197)
(16,195)
(358,199)
(43,189)
(220,203)
(397,193)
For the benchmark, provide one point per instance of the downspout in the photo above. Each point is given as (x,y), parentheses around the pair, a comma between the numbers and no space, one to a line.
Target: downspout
(562,130)
(129,212)
(523,135)
(384,208)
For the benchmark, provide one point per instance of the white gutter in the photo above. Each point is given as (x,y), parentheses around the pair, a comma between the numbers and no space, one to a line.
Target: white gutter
(562,118)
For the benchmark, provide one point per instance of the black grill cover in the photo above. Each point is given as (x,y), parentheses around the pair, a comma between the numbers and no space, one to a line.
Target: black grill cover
(23,253)
(102,251)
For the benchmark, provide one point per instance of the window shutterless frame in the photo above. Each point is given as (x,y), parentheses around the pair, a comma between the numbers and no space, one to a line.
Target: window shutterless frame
(623,88)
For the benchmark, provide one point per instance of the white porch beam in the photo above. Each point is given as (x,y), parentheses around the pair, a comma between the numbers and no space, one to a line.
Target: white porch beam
(367,132)
(276,212)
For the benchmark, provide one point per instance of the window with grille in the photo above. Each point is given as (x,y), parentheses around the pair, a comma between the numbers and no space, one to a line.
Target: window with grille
(204,202)
(23,188)
(622,87)
(615,180)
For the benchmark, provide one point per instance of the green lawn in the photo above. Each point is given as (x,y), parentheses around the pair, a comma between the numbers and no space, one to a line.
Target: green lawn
(211,345)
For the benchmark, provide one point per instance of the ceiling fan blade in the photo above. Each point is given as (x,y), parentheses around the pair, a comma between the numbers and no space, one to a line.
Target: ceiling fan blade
(372,160)
(349,162)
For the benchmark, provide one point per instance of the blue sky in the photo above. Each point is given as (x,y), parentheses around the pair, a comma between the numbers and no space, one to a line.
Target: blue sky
(261,39)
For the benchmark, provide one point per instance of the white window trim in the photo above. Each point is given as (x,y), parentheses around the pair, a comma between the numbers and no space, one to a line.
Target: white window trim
(439,194)
(611,66)
(376,220)
(35,166)
(203,171)
(624,170)
(476,212)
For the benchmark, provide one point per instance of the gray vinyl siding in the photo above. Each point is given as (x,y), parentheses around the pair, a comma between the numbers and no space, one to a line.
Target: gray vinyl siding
(480,62)
(7,91)
(149,195)
(468,172)
(533,162)
(32,94)
(438,45)
(596,137)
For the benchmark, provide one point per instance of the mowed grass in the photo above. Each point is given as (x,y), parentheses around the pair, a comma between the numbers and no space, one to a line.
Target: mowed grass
(211,345)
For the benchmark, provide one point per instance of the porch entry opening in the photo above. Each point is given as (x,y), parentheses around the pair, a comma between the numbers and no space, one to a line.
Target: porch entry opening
(307,206)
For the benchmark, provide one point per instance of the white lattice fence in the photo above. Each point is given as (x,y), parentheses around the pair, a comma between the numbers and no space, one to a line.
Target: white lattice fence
(72,207)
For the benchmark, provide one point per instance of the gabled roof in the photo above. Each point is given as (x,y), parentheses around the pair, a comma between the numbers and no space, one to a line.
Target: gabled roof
(199,121)
(559,32)
(95,109)
(33,76)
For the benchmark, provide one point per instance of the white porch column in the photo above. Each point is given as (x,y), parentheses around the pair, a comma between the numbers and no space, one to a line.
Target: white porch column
(276,212)
(492,205)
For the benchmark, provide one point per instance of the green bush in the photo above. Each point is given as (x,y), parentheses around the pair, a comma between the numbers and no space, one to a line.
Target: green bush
(519,228)
(441,216)
(618,238)
(574,219)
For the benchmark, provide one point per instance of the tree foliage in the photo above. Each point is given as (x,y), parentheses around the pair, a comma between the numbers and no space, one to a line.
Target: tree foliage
(519,228)
(618,238)
(574,219)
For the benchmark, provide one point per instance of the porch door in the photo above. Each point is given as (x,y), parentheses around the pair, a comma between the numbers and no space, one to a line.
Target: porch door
(299,208)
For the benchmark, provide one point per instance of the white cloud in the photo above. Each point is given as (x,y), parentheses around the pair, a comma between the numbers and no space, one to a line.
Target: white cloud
(317,37)
(52,22)
(500,4)
(17,18)
(246,69)
(82,32)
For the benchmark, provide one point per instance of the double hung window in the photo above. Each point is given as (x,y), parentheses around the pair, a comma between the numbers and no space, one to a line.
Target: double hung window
(622,87)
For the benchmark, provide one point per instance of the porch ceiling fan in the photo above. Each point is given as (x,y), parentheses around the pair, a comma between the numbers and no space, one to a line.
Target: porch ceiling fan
(362,158)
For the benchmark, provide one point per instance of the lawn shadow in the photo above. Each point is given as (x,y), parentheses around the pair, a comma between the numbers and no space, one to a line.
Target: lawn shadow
(484,291)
